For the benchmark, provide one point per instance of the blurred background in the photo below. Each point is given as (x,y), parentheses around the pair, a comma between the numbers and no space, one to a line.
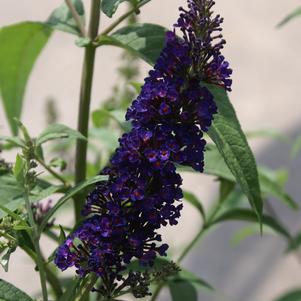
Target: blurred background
(266,94)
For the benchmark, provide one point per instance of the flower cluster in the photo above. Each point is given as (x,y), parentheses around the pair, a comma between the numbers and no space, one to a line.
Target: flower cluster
(168,119)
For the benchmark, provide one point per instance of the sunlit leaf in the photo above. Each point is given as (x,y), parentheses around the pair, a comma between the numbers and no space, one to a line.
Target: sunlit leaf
(62,19)
(144,40)
(9,292)
(20,46)
(58,131)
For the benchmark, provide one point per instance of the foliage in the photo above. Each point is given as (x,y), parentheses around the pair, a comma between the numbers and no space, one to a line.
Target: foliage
(43,170)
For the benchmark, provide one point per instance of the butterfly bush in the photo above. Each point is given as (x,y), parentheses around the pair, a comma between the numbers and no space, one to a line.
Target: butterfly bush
(143,191)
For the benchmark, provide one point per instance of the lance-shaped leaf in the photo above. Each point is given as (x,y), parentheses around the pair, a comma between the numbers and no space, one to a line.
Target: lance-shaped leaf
(247,215)
(58,131)
(271,182)
(195,202)
(109,7)
(296,13)
(231,142)
(144,40)
(62,19)
(9,292)
(68,195)
(20,46)
(11,193)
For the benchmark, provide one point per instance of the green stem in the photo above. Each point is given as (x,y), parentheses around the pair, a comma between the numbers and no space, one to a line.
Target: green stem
(120,19)
(84,104)
(35,239)
(86,288)
(51,171)
(76,17)
(51,277)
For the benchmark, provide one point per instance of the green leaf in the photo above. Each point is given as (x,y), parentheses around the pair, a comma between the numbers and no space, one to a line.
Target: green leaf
(144,40)
(20,46)
(11,193)
(295,243)
(18,169)
(272,134)
(137,86)
(215,164)
(182,290)
(226,188)
(294,295)
(69,194)
(101,117)
(69,294)
(270,186)
(109,7)
(4,259)
(246,232)
(62,236)
(58,131)
(193,279)
(296,148)
(296,13)
(231,142)
(249,216)
(195,202)
(14,141)
(271,181)
(61,18)
(9,292)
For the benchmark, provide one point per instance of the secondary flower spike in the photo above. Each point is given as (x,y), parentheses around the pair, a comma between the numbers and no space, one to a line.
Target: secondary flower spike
(168,119)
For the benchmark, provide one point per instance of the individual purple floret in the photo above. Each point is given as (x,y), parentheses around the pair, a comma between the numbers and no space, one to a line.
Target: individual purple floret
(143,192)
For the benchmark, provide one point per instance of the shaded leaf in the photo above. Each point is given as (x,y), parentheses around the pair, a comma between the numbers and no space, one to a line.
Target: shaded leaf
(70,292)
(58,131)
(294,295)
(246,232)
(296,13)
(193,278)
(249,216)
(9,292)
(182,290)
(195,202)
(270,186)
(231,142)
(295,243)
(144,40)
(20,46)
(69,194)
(61,18)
